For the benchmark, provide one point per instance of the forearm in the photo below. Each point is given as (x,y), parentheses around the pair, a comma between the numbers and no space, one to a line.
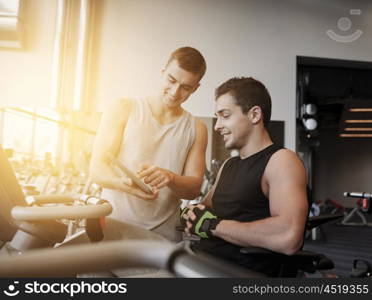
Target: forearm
(185,187)
(270,233)
(105,177)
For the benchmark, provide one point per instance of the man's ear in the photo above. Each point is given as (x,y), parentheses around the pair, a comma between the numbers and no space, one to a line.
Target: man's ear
(255,114)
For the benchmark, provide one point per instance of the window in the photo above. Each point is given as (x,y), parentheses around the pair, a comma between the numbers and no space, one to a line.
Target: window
(10,24)
(17,132)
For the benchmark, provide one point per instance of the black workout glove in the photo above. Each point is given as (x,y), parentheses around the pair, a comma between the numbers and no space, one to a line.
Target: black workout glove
(204,223)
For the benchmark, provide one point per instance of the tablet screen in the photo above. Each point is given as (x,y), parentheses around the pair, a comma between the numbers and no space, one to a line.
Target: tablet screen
(144,187)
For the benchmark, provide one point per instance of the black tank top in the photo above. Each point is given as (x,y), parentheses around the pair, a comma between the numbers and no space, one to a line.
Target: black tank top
(238,196)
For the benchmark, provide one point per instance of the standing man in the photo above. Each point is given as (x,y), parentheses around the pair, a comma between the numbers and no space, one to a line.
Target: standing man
(160,140)
(259,198)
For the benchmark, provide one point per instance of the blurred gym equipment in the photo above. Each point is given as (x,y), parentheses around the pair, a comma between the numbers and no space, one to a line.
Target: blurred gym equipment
(118,254)
(361,208)
(28,226)
(33,223)
(208,181)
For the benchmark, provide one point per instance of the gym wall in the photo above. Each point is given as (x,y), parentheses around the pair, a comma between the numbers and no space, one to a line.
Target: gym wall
(342,166)
(240,37)
(133,39)
(26,73)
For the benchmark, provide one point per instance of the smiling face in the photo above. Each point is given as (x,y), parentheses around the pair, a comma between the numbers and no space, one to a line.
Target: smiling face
(177,84)
(232,123)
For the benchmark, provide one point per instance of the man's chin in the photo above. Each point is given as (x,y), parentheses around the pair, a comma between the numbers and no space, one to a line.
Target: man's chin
(229,146)
(170,103)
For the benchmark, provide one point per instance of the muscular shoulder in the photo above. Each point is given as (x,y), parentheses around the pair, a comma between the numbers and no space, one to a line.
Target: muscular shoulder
(284,164)
(284,155)
(201,132)
(117,111)
(201,137)
(201,128)
(120,105)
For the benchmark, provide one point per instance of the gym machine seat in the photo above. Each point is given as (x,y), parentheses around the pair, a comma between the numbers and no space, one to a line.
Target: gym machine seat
(303,261)
(33,223)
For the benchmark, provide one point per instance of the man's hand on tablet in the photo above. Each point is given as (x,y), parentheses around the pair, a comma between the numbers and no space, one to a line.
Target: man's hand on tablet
(155,176)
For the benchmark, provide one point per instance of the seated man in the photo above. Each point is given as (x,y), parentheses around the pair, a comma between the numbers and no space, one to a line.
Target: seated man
(259,198)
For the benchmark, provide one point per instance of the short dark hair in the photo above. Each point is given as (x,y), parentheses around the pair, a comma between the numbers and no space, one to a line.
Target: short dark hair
(190,60)
(248,92)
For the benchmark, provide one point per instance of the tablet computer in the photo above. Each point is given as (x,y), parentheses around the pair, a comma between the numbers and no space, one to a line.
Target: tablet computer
(138,181)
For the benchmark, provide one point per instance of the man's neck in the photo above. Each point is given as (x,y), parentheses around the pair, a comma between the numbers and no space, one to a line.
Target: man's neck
(259,140)
(163,113)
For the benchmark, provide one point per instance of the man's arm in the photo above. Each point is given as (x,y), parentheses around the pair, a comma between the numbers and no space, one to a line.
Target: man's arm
(108,140)
(207,201)
(187,185)
(285,177)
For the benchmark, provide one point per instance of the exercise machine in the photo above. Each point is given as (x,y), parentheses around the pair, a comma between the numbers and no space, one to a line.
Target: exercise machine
(35,232)
(29,222)
(104,256)
(362,207)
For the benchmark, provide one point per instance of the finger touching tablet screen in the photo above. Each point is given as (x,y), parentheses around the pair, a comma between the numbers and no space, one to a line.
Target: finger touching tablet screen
(143,186)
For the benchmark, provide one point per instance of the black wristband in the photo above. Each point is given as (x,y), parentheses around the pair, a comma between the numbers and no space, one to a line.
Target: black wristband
(209,225)
(205,221)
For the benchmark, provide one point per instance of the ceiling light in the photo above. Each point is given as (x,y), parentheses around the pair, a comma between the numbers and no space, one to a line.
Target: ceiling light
(310,124)
(310,109)
(360,135)
(358,121)
(357,129)
(360,109)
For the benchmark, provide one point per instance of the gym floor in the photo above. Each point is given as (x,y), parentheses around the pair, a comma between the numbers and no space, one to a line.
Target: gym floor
(343,244)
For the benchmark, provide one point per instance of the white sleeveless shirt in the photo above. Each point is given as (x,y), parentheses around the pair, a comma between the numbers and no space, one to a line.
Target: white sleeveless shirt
(146,141)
